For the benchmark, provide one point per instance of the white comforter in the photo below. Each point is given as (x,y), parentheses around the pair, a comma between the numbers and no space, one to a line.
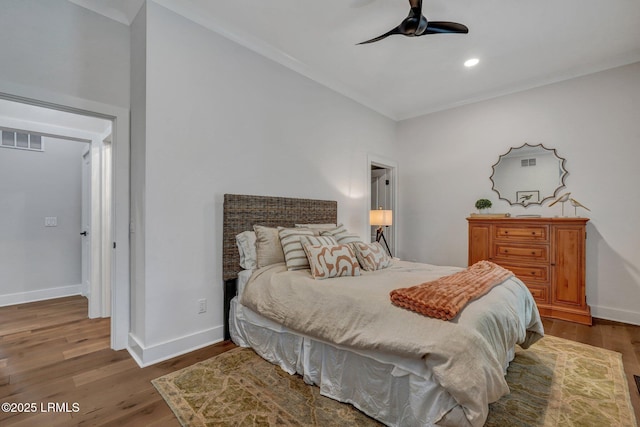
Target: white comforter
(467,355)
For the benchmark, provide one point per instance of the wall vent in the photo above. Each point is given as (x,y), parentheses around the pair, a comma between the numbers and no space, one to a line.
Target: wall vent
(21,140)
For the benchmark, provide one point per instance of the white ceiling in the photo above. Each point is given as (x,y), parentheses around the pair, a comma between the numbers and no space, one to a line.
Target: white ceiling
(520,43)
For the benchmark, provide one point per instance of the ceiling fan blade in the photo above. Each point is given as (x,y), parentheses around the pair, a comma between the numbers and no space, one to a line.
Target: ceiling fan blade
(396,30)
(437,27)
(416,4)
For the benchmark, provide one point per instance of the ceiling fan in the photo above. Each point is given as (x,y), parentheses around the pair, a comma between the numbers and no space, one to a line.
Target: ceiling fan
(416,25)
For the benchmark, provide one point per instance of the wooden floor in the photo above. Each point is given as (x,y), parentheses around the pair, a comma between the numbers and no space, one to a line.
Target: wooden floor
(51,353)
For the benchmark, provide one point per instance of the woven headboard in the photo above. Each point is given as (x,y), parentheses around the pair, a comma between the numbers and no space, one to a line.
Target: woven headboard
(241,212)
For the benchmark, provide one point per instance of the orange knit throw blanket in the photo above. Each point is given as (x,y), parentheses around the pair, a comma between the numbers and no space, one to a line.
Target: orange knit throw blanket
(445,297)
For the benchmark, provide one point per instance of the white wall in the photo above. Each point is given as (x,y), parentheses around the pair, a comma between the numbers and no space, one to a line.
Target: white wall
(222,119)
(38,261)
(64,48)
(592,121)
(138,168)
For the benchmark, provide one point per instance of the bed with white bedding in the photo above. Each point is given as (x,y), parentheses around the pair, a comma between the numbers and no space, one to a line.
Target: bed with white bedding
(398,366)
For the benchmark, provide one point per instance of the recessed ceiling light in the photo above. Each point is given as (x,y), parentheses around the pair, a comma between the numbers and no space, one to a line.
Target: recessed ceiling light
(471,62)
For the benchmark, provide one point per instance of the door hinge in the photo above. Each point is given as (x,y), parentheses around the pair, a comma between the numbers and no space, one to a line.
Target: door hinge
(114,245)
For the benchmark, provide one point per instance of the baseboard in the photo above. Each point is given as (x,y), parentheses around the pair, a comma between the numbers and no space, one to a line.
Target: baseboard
(150,355)
(615,314)
(40,295)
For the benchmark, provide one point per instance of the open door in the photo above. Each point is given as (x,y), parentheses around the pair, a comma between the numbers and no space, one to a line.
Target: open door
(86,225)
(383,177)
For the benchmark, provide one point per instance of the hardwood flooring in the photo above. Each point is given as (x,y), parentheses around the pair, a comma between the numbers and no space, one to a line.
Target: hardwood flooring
(50,353)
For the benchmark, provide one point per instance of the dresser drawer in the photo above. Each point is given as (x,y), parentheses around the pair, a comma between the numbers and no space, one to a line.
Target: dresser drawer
(526,253)
(529,273)
(531,233)
(540,293)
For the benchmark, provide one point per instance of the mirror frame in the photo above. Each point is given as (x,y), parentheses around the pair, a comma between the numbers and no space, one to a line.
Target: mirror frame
(562,178)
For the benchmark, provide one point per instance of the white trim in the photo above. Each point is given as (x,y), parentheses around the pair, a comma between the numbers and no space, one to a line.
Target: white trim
(616,315)
(40,295)
(146,356)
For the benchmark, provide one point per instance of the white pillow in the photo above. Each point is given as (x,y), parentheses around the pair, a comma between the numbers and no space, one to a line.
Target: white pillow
(268,247)
(246,242)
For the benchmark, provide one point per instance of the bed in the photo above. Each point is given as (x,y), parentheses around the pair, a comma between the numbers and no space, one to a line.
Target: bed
(343,334)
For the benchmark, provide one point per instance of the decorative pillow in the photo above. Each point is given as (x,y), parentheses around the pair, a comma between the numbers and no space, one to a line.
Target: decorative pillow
(329,261)
(294,255)
(342,235)
(317,226)
(371,256)
(317,240)
(268,247)
(246,242)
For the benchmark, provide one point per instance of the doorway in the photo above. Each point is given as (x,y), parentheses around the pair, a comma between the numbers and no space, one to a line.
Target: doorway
(120,171)
(94,230)
(383,188)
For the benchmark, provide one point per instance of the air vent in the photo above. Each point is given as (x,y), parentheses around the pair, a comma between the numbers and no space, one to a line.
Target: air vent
(21,140)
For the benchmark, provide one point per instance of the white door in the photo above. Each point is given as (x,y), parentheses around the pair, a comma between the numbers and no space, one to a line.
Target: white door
(86,224)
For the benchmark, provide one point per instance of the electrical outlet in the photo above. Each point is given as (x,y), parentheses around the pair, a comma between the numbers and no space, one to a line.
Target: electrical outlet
(202,305)
(51,221)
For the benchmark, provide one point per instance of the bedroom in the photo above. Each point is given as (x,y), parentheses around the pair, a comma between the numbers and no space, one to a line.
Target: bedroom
(227,113)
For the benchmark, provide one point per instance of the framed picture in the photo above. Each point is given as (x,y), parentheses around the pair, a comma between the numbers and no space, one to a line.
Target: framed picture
(526,197)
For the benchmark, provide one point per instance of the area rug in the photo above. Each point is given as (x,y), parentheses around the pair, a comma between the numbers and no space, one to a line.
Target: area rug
(555,383)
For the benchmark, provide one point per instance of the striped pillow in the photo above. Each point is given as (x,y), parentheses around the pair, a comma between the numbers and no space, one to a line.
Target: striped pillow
(371,256)
(342,235)
(317,240)
(294,255)
(328,261)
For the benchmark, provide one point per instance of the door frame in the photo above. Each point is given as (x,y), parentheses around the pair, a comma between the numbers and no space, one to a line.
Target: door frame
(119,218)
(392,167)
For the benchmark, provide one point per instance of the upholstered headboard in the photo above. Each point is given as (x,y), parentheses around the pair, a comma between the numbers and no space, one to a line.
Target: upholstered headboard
(241,212)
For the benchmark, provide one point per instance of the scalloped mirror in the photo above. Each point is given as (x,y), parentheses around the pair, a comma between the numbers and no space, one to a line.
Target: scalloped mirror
(528,175)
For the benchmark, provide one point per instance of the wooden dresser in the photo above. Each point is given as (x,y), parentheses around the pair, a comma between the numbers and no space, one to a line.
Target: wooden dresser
(547,254)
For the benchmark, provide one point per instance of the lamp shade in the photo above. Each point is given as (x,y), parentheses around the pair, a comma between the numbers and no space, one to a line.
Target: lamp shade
(380,217)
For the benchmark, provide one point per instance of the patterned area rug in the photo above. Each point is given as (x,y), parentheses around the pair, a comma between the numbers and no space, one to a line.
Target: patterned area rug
(555,383)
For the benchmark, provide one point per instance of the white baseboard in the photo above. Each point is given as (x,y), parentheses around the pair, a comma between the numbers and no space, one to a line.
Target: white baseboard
(39,295)
(150,355)
(615,314)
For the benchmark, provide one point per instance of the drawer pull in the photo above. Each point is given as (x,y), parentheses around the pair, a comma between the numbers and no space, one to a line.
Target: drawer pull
(533,233)
(533,252)
(533,273)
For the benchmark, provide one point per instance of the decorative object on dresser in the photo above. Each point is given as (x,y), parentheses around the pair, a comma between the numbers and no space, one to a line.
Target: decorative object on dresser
(547,254)
(482,204)
(382,218)
(576,204)
(562,199)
